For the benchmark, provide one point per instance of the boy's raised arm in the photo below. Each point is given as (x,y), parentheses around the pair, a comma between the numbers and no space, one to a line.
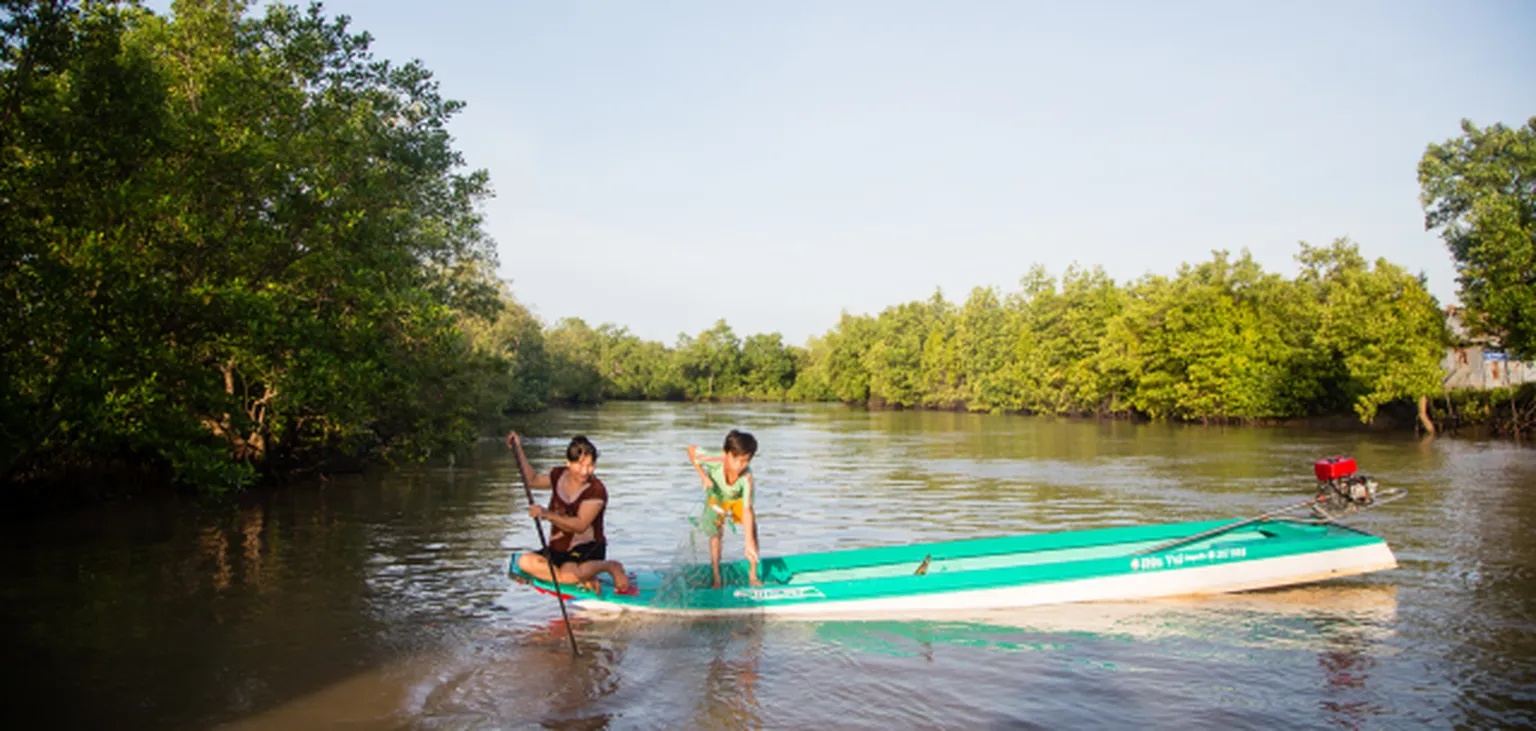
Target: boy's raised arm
(693,457)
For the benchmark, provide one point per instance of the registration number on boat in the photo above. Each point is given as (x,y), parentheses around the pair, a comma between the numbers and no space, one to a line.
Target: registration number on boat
(1175,560)
(776,593)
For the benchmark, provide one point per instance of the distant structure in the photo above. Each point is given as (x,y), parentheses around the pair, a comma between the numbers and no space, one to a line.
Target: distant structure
(1478,362)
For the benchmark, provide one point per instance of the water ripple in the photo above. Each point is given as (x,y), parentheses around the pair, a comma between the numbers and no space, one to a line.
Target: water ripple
(381,601)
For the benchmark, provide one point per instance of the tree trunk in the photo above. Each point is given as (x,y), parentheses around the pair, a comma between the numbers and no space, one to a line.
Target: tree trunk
(1429,426)
(1514,413)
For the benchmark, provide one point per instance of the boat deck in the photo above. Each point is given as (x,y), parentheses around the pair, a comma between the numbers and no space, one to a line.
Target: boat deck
(1017,551)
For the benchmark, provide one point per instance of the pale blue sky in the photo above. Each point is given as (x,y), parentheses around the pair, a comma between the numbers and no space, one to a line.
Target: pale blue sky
(661,165)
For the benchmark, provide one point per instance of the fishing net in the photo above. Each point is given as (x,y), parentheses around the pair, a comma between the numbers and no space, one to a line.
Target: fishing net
(688,569)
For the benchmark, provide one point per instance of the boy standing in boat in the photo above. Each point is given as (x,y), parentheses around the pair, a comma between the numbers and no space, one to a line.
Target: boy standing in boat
(728,487)
(577,547)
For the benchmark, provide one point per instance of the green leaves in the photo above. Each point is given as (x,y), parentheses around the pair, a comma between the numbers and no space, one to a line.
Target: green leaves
(710,362)
(237,244)
(768,367)
(1379,328)
(1220,341)
(574,363)
(894,360)
(1480,191)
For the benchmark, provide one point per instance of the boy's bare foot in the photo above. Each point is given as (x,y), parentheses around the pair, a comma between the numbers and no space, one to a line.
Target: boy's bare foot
(592,586)
(717,583)
(620,583)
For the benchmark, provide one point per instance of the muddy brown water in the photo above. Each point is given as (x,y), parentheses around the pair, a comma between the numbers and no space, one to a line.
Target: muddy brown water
(380,601)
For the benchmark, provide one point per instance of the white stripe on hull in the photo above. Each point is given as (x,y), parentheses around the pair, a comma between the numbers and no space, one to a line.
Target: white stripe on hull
(1209,579)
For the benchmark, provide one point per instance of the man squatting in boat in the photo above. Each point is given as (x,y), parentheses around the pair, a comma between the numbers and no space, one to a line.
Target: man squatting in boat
(577,547)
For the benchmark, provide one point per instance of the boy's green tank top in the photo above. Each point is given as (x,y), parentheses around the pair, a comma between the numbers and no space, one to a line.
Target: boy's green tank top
(721,491)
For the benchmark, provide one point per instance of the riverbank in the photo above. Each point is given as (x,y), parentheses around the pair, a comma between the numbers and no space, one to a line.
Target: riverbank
(1508,412)
(1471,414)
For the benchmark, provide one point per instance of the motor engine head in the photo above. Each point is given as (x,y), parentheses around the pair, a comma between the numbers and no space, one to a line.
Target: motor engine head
(1341,490)
(1333,468)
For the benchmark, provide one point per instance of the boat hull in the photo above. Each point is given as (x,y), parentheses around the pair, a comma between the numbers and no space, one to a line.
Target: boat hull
(1006,572)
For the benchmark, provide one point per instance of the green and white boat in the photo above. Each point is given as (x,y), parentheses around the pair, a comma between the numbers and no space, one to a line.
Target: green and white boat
(1108,564)
(1010,571)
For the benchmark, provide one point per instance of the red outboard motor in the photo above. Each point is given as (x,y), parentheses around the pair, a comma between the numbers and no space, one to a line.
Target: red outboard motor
(1334,468)
(1340,490)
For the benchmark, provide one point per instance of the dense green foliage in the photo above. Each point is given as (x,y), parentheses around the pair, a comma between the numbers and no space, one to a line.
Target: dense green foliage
(229,244)
(583,365)
(1480,191)
(1220,341)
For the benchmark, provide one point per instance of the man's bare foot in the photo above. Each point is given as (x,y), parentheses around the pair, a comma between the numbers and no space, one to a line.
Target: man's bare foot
(717,583)
(620,582)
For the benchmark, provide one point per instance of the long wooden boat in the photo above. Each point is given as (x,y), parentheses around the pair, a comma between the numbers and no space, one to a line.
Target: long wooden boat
(1124,563)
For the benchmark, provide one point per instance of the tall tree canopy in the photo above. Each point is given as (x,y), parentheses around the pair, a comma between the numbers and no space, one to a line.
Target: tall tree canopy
(1382,333)
(1479,189)
(228,242)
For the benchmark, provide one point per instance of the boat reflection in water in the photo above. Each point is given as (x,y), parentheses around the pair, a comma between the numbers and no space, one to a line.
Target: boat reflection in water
(1316,617)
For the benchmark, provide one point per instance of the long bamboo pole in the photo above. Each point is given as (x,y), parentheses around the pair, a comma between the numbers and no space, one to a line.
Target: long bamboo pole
(554,578)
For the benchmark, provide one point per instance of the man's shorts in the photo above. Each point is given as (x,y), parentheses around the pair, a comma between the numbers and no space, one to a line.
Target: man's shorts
(589,551)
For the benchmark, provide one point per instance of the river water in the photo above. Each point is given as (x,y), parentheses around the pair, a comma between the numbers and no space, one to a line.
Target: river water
(380,601)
